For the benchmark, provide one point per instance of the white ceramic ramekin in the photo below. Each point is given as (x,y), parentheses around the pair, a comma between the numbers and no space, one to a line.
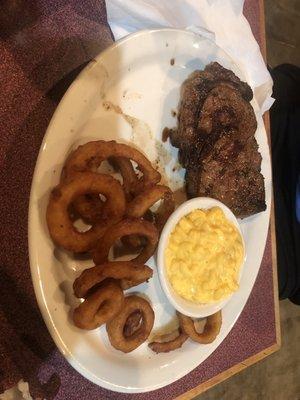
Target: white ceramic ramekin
(184,306)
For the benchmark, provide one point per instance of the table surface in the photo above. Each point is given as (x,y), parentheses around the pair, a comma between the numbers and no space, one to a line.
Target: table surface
(43,46)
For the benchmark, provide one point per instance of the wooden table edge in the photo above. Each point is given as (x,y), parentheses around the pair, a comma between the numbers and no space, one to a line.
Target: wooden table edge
(276,346)
(272,216)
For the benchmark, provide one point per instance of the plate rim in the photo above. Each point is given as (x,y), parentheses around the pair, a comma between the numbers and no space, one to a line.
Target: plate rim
(35,275)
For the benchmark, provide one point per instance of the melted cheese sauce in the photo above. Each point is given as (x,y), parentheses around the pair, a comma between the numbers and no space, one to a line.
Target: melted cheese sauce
(204,256)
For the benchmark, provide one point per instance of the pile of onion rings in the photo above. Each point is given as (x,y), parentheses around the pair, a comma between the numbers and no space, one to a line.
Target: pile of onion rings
(113,209)
(116,212)
(129,320)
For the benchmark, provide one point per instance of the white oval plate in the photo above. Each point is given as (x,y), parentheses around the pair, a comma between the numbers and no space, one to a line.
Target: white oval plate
(135,74)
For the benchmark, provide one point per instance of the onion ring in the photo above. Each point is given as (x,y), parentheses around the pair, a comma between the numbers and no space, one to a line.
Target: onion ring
(90,207)
(129,273)
(211,329)
(100,307)
(59,222)
(145,200)
(130,179)
(115,327)
(90,155)
(166,343)
(140,207)
(127,227)
(135,242)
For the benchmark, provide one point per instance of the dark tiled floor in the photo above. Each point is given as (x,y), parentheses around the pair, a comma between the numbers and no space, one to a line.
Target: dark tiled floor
(278,376)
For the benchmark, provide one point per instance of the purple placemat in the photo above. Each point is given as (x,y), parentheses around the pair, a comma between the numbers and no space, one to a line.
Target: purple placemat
(43,46)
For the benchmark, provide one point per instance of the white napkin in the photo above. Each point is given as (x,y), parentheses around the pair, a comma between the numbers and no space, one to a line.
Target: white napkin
(221,20)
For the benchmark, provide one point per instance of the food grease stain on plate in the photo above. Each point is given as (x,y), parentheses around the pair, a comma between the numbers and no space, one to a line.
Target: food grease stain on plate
(140,134)
(162,153)
(141,131)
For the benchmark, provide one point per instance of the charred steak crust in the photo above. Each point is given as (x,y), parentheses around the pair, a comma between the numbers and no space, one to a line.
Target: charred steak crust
(215,137)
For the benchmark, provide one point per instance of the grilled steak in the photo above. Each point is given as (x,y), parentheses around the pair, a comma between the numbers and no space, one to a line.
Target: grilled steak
(215,137)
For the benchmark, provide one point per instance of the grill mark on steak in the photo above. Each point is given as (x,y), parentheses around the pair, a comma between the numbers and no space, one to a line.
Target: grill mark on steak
(215,137)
